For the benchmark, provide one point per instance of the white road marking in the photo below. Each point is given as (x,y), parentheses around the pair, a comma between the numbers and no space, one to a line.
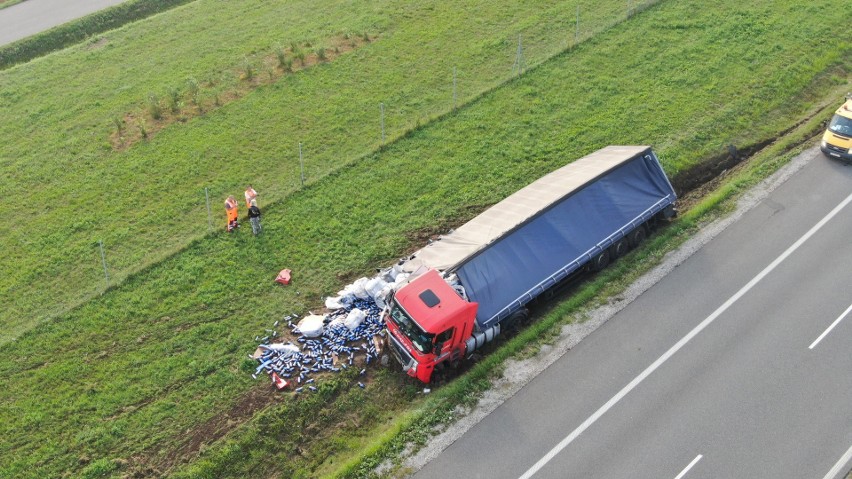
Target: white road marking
(668,354)
(839,466)
(835,323)
(687,468)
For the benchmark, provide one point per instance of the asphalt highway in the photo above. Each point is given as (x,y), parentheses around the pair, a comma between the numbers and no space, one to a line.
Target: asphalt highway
(737,364)
(33,16)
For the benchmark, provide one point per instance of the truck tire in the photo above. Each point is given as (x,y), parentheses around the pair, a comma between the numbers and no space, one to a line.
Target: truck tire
(513,324)
(637,236)
(600,261)
(620,248)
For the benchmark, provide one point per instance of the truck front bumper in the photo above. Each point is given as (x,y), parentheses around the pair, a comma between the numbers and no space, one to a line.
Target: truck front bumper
(836,152)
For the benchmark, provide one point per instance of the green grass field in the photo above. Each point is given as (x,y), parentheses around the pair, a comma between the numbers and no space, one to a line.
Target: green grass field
(57,114)
(139,379)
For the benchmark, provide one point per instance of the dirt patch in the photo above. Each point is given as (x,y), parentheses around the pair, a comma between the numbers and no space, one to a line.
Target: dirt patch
(695,183)
(199,98)
(97,43)
(194,439)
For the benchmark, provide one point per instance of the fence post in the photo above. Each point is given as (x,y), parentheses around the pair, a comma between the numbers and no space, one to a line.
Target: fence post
(103,260)
(209,213)
(519,59)
(382,115)
(454,88)
(577,30)
(301,165)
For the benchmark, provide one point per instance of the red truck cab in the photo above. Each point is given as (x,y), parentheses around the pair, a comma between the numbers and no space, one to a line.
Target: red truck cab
(428,323)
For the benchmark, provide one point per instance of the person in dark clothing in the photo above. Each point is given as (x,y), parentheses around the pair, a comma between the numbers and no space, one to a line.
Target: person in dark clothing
(254,217)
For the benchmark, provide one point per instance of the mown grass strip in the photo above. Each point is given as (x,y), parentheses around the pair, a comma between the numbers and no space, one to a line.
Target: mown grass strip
(80,29)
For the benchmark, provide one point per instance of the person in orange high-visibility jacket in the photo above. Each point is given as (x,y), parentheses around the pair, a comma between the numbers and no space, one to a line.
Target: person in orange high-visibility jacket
(231,210)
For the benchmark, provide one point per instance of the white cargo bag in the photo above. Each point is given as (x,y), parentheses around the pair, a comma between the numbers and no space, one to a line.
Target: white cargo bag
(375,286)
(311,326)
(359,288)
(354,318)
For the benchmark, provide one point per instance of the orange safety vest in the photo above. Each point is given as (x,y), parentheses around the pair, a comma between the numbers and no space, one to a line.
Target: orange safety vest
(231,208)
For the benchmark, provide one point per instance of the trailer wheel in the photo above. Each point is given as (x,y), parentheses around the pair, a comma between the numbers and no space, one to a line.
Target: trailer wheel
(638,236)
(620,248)
(600,261)
(515,321)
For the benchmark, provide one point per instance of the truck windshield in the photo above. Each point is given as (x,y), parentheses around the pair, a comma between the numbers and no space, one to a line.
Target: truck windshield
(841,125)
(421,339)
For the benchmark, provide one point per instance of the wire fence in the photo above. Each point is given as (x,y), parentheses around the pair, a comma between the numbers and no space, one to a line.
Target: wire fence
(576,32)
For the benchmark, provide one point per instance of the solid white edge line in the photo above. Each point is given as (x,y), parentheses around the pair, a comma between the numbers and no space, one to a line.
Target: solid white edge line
(839,466)
(835,323)
(662,359)
(687,468)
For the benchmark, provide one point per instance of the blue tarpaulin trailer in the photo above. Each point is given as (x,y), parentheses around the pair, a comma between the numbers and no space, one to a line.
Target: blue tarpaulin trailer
(566,220)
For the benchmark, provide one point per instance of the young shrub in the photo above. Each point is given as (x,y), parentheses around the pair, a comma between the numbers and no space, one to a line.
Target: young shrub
(119,125)
(366,37)
(300,55)
(174,100)
(154,107)
(288,65)
(321,54)
(192,90)
(270,72)
(143,131)
(248,69)
(282,57)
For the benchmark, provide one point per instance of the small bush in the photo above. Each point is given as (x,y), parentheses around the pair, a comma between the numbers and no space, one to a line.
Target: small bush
(154,107)
(119,125)
(143,131)
(366,37)
(288,65)
(174,100)
(300,55)
(192,90)
(248,69)
(282,57)
(321,54)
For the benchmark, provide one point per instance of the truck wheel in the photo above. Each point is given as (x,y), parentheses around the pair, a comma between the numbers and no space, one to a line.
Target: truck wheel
(516,320)
(620,248)
(600,261)
(637,236)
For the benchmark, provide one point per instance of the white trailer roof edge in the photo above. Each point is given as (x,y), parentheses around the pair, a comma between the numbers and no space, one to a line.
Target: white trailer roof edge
(519,207)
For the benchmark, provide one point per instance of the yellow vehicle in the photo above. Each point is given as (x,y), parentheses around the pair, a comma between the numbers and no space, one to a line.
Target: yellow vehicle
(837,139)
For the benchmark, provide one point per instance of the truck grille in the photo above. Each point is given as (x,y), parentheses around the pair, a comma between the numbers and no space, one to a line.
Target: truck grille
(400,353)
(837,148)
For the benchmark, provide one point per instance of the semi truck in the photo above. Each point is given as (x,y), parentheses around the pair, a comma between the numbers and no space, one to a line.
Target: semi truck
(466,288)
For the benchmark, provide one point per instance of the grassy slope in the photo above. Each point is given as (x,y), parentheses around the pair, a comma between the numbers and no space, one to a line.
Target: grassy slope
(56,114)
(127,373)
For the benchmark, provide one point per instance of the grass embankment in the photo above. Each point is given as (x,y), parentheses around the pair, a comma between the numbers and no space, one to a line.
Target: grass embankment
(124,381)
(57,117)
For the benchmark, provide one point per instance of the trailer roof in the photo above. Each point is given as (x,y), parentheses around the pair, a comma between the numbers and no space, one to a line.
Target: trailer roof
(519,207)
